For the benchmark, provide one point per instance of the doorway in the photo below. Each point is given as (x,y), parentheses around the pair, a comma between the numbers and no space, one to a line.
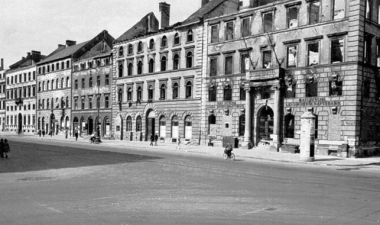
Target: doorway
(19,130)
(265,124)
(90,124)
(150,125)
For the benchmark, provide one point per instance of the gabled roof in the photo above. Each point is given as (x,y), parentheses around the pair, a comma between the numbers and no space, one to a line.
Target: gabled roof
(64,53)
(139,29)
(200,13)
(29,60)
(90,44)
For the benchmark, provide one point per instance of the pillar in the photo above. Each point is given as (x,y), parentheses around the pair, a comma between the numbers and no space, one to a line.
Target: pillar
(247,144)
(307,136)
(277,118)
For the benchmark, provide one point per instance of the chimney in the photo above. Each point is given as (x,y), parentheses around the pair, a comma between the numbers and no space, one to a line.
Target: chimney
(70,43)
(36,56)
(2,64)
(204,2)
(28,54)
(165,14)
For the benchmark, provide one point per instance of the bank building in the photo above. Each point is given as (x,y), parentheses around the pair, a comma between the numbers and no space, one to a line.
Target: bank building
(271,61)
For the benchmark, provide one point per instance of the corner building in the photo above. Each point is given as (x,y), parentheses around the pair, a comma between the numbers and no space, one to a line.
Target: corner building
(157,77)
(271,61)
(2,95)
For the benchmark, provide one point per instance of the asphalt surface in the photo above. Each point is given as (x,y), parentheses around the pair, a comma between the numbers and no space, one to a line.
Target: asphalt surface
(79,183)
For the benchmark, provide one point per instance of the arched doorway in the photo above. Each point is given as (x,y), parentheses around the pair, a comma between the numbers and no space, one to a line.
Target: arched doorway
(82,126)
(67,122)
(106,127)
(264,124)
(52,124)
(75,124)
(90,126)
(19,130)
(188,128)
(150,124)
(175,130)
(44,127)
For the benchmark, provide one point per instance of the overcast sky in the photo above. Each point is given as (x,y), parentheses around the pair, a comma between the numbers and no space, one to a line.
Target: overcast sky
(41,25)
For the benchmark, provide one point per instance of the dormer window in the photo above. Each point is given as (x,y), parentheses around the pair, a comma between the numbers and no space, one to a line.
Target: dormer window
(190,36)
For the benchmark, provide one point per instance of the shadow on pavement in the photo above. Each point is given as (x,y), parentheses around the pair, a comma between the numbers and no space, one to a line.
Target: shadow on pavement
(34,157)
(328,159)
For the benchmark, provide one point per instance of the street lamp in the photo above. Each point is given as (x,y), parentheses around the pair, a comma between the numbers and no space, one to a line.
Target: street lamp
(97,136)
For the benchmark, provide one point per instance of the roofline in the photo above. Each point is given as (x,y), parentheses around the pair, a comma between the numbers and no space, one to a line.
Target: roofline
(42,63)
(22,68)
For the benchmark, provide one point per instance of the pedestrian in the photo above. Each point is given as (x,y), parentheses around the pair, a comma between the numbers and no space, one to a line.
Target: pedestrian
(39,132)
(43,133)
(155,139)
(151,139)
(66,133)
(6,148)
(178,142)
(76,134)
(1,148)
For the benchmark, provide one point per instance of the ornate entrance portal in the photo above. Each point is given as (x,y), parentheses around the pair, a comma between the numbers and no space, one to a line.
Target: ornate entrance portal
(265,124)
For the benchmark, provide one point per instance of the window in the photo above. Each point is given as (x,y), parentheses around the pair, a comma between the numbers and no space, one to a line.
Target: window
(214,34)
(76,103)
(121,68)
(189,89)
(335,86)
(189,59)
(268,22)
(129,94)
(367,48)
(151,65)
(129,124)
(243,58)
(139,67)
(337,50)
(176,62)
(267,59)
(138,124)
(150,92)
(175,90)
(245,27)
(130,69)
(56,84)
(76,84)
(242,93)
(82,103)
(289,126)
(52,84)
(378,12)
(229,30)
(98,101)
(34,75)
(83,81)
(140,47)
(241,125)
(151,44)
(291,60)
(130,49)
(67,82)
(163,92)
(313,53)
(90,102)
(98,80)
(48,85)
(212,94)
(314,12)
(139,94)
(163,63)
(90,82)
(227,93)
(176,39)
(339,8)
(213,66)
(107,79)
(292,17)
(121,51)
(228,66)
(106,101)
(366,88)
(368,9)
(311,87)
(190,36)
(120,95)
(164,42)
(67,64)
(47,104)
(63,65)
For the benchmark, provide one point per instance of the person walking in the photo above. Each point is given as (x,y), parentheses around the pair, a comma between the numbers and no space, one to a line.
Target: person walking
(6,148)
(39,133)
(1,148)
(178,143)
(76,134)
(151,139)
(155,139)
(43,133)
(66,133)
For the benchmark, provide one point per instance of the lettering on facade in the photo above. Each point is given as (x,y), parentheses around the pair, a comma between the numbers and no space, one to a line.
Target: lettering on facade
(225,105)
(302,102)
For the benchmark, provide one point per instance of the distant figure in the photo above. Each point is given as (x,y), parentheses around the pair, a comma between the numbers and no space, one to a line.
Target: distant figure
(76,134)
(39,133)
(66,133)
(92,138)
(228,149)
(1,148)
(155,139)
(6,148)
(43,133)
(151,139)
(178,143)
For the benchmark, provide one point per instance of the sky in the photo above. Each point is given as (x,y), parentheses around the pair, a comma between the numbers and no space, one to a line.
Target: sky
(41,25)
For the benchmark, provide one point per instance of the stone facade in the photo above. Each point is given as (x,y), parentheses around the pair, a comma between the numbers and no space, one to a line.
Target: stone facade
(2,96)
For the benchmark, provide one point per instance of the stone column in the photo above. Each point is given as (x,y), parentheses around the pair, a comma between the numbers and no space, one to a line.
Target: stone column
(247,144)
(307,136)
(277,117)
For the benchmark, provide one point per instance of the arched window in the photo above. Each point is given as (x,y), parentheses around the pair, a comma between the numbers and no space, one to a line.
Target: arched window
(175,130)
(129,124)
(151,44)
(62,103)
(98,101)
(52,84)
(212,94)
(176,39)
(67,102)
(139,93)
(121,51)
(164,42)
(289,126)
(121,68)
(151,65)
(188,128)
(175,90)
(62,65)
(43,103)
(56,84)
(140,47)
(212,119)
(120,95)
(129,94)
(163,92)
(130,49)
(47,104)
(176,62)
(190,36)
(189,89)
(67,82)
(130,69)
(57,65)
(62,82)
(189,60)
(163,63)
(52,67)
(140,67)
(138,124)
(48,85)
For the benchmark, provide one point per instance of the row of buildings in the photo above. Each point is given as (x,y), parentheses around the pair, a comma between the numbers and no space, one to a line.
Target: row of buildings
(241,71)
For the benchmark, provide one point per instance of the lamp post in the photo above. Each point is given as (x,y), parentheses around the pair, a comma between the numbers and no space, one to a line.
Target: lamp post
(97,136)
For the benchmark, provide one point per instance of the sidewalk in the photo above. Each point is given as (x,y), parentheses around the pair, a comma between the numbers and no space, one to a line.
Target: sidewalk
(259,153)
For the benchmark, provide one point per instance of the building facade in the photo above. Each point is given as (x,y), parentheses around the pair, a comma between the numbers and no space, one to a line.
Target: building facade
(274,60)
(91,87)
(21,95)
(2,95)
(157,77)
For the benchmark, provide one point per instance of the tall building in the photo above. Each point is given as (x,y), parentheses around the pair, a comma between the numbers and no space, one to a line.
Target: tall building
(274,60)
(2,95)
(157,76)
(91,86)
(21,94)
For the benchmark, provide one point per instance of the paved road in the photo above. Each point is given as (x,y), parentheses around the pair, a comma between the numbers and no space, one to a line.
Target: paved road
(72,183)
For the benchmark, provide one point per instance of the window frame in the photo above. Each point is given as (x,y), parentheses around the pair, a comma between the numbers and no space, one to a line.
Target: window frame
(226,67)
(229,32)
(265,27)
(308,43)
